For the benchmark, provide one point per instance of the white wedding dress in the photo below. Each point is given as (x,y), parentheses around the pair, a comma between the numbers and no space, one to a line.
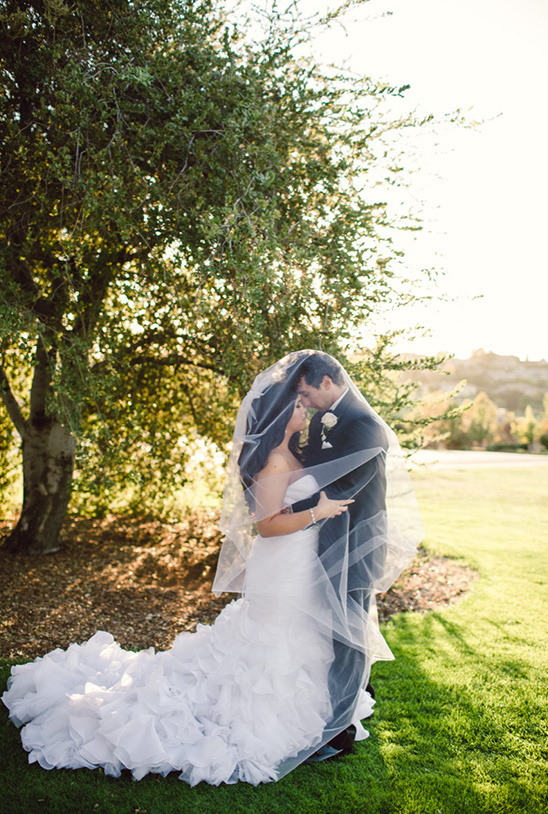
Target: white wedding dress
(237,700)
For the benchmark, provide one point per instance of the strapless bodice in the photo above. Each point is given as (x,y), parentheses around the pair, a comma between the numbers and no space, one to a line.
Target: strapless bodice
(300,489)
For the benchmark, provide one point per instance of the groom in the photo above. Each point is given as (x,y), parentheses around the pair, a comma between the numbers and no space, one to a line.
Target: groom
(341,427)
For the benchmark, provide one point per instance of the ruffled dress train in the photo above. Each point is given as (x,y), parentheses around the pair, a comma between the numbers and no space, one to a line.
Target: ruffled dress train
(244,699)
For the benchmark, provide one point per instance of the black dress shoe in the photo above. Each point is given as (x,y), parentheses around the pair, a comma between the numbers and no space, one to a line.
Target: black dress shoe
(344,741)
(324,753)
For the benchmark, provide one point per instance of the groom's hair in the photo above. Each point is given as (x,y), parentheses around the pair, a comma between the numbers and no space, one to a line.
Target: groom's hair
(318,365)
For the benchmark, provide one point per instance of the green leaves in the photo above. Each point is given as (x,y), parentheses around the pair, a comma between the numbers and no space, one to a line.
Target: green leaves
(179,208)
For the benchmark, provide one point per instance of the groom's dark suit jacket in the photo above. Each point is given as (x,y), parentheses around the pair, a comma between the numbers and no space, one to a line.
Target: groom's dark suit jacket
(356,537)
(365,520)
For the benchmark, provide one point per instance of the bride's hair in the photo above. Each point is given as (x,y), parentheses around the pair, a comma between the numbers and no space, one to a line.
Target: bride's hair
(267,420)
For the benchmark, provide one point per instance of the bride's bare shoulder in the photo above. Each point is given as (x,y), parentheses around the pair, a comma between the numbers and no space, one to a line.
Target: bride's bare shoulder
(277,463)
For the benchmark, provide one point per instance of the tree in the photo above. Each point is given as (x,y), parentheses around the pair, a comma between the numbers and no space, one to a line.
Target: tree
(526,428)
(178,208)
(543,423)
(482,419)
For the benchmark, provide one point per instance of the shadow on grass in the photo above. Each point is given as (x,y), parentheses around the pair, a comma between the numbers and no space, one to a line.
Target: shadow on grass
(456,729)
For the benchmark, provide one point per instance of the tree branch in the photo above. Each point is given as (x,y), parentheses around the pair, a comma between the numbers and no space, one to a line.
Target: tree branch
(186,391)
(175,359)
(95,290)
(41,380)
(10,403)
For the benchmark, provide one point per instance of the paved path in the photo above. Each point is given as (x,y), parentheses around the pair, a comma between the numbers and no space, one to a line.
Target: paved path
(472,459)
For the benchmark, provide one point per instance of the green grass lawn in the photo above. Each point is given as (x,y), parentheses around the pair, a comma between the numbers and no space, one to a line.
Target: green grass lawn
(461,723)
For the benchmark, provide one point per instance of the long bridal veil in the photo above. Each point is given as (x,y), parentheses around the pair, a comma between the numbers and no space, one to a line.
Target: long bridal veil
(358,562)
(282,668)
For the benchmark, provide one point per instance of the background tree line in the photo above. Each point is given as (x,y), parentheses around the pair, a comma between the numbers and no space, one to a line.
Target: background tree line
(481,423)
(499,402)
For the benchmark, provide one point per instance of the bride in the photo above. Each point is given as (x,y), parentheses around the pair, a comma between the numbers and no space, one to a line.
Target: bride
(251,696)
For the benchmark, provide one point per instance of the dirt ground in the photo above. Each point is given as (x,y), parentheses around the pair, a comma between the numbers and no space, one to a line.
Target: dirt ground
(146,581)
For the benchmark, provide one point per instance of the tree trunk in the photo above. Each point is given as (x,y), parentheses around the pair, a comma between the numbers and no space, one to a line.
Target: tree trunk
(48,465)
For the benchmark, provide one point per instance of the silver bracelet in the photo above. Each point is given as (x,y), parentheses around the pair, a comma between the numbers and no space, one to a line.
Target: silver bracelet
(312,516)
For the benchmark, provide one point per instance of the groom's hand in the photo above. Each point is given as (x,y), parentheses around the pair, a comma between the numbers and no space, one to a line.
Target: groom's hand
(307,503)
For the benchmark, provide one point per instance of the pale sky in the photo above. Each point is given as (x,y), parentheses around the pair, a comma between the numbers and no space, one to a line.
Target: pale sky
(489,209)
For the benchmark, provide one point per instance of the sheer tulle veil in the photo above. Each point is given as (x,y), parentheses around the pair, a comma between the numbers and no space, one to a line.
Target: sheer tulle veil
(357,557)
(283,668)
(266,401)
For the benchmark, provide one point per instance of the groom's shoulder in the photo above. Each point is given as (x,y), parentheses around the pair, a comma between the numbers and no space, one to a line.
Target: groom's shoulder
(362,421)
(355,408)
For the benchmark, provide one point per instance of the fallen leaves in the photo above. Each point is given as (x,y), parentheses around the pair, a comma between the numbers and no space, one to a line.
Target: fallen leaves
(428,583)
(145,581)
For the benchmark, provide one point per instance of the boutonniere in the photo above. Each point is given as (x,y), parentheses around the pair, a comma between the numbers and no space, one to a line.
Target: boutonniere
(328,421)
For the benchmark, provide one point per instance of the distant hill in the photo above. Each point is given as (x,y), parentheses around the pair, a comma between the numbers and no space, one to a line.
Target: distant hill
(508,381)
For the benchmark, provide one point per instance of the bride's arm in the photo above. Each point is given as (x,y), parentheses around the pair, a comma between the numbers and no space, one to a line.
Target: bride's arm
(270,488)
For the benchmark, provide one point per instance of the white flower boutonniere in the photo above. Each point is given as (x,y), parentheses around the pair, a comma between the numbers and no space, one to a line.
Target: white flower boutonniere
(328,420)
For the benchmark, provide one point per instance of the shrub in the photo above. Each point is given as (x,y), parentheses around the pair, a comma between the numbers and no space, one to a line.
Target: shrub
(507,447)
